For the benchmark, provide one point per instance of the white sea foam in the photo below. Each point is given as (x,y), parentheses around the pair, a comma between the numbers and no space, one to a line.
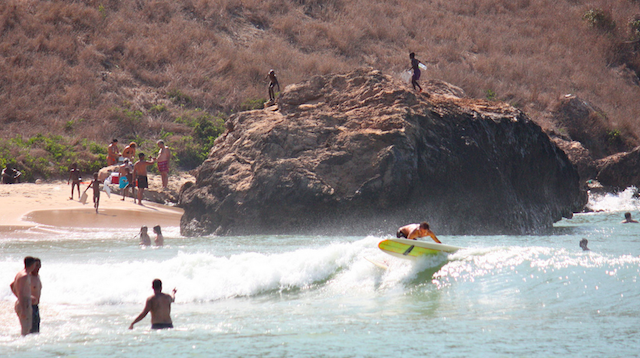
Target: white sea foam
(622,201)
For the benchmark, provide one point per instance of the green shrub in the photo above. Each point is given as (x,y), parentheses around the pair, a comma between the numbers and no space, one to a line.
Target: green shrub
(491,95)
(599,19)
(252,103)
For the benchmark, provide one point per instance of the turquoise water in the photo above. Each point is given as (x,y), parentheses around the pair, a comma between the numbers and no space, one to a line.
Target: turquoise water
(290,296)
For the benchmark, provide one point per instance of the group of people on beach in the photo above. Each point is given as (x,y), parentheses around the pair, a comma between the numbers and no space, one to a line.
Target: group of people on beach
(132,175)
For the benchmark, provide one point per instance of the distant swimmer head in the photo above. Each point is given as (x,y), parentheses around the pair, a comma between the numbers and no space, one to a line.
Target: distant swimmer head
(627,216)
(157,230)
(412,55)
(144,229)
(583,244)
(424,225)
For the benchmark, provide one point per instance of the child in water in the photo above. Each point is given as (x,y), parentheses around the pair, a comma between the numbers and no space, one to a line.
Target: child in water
(74,178)
(145,240)
(95,184)
(159,241)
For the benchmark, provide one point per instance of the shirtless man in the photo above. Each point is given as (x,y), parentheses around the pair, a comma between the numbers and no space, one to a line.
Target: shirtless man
(163,162)
(36,290)
(113,152)
(21,287)
(414,231)
(160,307)
(140,173)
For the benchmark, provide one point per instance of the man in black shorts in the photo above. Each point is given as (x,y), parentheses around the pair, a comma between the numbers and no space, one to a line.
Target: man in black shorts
(159,304)
(140,174)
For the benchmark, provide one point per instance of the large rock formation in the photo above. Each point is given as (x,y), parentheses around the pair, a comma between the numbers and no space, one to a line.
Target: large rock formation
(620,171)
(361,153)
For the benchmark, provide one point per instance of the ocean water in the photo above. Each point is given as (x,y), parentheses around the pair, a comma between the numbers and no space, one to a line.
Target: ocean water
(292,296)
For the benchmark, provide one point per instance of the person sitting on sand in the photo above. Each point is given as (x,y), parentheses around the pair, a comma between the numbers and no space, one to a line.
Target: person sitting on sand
(10,175)
(145,240)
(583,244)
(140,174)
(159,241)
(75,179)
(160,307)
(414,231)
(95,184)
(628,219)
(129,151)
(113,152)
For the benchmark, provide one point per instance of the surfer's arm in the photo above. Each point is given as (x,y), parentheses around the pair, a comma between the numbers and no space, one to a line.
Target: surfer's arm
(433,236)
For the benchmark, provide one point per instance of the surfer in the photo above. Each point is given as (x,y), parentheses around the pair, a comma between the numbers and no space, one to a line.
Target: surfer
(159,241)
(163,162)
(415,63)
(414,231)
(95,184)
(140,174)
(21,288)
(273,82)
(160,307)
(75,179)
(36,290)
(113,152)
(628,219)
(145,240)
(583,244)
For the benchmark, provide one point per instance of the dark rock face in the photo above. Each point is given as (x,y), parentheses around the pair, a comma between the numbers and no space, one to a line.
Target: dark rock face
(620,171)
(360,153)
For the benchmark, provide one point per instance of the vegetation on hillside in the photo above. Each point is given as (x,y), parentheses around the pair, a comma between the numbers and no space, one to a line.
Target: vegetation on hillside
(140,70)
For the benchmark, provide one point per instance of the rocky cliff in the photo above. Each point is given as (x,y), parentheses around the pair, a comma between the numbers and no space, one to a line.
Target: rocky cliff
(361,153)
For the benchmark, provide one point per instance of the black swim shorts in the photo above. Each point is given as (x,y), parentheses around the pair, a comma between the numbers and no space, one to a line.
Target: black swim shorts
(35,327)
(143,182)
(161,325)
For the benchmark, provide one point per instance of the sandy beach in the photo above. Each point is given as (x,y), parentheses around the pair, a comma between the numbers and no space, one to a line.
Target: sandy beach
(29,206)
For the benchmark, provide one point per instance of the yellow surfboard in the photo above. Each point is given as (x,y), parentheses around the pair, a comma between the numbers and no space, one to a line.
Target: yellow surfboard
(411,249)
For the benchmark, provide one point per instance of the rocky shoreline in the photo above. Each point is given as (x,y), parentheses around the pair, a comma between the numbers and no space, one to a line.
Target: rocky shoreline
(362,153)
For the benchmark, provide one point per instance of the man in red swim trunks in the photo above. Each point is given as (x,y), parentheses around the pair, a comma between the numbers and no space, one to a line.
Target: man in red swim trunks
(163,162)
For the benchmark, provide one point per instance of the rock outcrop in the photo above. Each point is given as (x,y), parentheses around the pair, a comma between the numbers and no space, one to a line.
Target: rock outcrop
(620,171)
(361,153)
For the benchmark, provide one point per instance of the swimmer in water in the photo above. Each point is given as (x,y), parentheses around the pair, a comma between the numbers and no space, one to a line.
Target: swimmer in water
(414,231)
(628,219)
(583,244)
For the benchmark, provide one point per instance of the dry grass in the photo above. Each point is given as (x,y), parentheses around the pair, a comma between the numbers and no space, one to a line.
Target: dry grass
(87,61)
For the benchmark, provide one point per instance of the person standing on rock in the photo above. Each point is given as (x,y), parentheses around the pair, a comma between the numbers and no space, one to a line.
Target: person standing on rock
(414,231)
(273,82)
(415,66)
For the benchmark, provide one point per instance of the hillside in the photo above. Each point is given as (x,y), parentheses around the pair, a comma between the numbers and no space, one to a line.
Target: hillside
(175,69)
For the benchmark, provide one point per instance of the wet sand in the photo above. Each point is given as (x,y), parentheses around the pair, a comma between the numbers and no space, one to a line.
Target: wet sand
(27,206)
